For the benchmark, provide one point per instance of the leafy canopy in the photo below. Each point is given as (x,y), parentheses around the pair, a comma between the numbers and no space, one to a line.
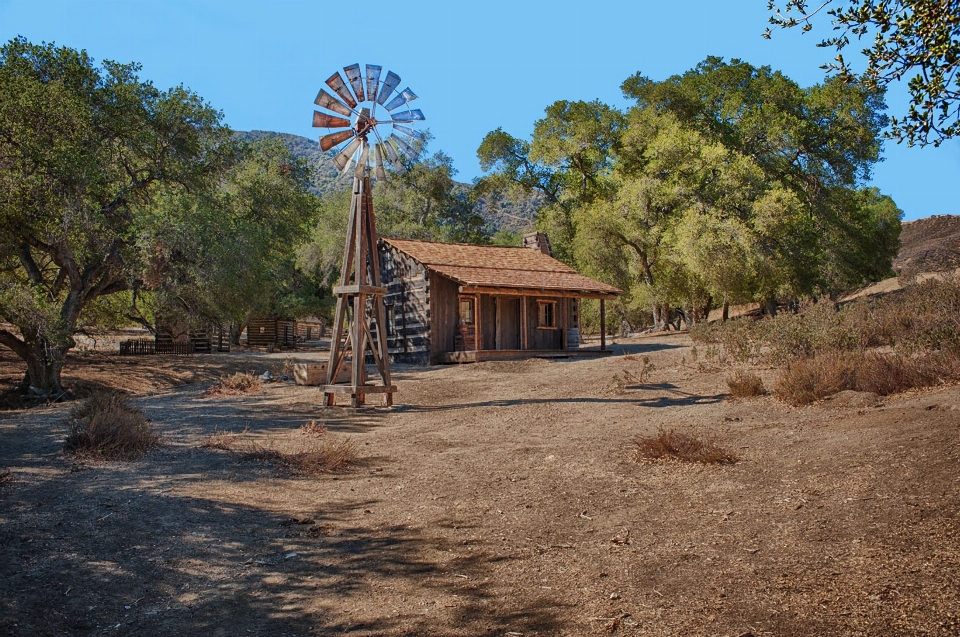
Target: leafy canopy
(913,40)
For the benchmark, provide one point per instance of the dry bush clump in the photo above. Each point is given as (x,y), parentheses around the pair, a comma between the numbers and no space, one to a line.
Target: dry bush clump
(813,378)
(6,477)
(673,445)
(745,385)
(235,385)
(108,426)
(816,377)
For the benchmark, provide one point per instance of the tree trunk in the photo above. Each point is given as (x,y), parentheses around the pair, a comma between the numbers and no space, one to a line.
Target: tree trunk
(770,307)
(661,317)
(44,366)
(726,311)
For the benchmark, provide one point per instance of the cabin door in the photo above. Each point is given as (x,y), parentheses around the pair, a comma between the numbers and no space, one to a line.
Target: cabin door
(508,322)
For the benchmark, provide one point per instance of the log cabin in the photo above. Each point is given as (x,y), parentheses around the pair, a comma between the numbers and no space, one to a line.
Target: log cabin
(452,303)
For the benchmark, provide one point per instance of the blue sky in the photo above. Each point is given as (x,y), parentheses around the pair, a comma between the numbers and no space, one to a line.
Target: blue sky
(476,65)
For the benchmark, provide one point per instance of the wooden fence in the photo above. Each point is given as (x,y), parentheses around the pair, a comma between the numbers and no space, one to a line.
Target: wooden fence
(146,346)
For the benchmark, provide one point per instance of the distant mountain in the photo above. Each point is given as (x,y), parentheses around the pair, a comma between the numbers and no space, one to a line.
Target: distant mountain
(326,178)
(929,245)
(516,213)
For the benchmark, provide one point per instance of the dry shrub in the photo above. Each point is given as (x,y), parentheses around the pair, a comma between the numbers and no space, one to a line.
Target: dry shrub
(236,385)
(812,378)
(745,385)
(816,377)
(673,445)
(326,454)
(314,428)
(6,477)
(108,426)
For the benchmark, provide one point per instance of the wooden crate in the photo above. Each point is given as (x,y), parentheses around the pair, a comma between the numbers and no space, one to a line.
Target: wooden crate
(316,374)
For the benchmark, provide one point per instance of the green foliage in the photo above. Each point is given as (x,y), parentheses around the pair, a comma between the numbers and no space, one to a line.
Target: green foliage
(726,183)
(84,152)
(916,40)
(258,217)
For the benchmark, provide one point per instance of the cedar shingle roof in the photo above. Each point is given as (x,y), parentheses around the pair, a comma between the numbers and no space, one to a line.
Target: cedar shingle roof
(500,267)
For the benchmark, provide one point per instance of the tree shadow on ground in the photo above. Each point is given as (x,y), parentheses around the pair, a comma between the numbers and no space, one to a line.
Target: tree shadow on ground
(131,548)
(166,564)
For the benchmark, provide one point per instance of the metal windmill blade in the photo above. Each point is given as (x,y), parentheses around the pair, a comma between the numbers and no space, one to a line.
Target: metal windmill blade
(373,81)
(378,152)
(329,102)
(408,116)
(355,77)
(392,155)
(344,156)
(406,95)
(406,130)
(333,139)
(388,85)
(362,164)
(406,148)
(340,88)
(322,120)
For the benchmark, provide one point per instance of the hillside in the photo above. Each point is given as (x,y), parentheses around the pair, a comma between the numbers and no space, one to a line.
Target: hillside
(929,245)
(515,213)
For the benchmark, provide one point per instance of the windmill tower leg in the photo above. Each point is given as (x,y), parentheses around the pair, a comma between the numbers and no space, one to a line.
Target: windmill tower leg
(360,312)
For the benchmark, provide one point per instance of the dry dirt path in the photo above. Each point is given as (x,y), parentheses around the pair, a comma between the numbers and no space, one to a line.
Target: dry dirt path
(497,499)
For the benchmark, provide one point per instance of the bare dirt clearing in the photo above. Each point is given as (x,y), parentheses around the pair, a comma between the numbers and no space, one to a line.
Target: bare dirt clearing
(495,499)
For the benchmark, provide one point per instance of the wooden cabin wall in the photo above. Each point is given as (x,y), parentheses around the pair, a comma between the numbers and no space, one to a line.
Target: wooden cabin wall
(488,322)
(407,303)
(538,338)
(270,332)
(445,307)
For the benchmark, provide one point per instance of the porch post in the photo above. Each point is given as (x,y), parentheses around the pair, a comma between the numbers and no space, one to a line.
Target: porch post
(523,322)
(603,325)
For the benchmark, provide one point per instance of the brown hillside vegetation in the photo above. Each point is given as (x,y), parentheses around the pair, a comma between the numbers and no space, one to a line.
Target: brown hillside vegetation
(929,245)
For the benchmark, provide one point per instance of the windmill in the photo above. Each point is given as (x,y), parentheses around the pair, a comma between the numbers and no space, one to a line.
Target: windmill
(359,323)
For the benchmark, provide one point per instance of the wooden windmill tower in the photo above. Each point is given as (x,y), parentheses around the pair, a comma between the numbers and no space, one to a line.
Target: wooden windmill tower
(359,324)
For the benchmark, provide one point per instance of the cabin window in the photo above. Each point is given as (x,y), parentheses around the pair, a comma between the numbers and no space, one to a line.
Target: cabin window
(466,312)
(546,314)
(263,330)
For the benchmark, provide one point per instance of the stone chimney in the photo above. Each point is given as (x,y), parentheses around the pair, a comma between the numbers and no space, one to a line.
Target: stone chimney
(538,241)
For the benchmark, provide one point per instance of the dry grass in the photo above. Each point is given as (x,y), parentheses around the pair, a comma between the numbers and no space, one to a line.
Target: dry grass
(315,457)
(222,439)
(673,445)
(314,428)
(236,385)
(322,452)
(108,426)
(745,385)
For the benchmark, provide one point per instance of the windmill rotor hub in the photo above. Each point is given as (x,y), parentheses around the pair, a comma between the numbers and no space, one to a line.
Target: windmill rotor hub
(364,125)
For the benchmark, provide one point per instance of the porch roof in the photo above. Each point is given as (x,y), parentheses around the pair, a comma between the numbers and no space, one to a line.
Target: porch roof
(499,269)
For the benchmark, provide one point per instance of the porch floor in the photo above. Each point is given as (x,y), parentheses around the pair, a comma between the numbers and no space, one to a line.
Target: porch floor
(476,356)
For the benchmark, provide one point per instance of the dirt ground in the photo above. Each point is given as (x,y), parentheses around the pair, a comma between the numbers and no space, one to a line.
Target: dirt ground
(494,499)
